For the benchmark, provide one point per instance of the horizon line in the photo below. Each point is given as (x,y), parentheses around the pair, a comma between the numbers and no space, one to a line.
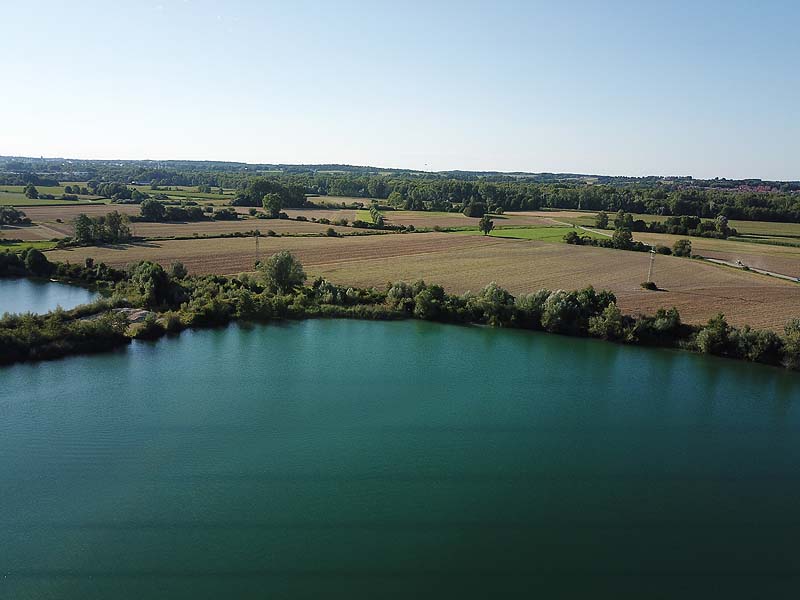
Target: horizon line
(377,168)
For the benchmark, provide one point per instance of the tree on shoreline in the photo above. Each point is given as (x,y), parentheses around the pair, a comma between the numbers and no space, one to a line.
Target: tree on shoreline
(282,272)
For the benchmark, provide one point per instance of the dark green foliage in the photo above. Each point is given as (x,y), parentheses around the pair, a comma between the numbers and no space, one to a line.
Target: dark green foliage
(36,262)
(569,312)
(32,337)
(183,213)
(714,338)
(601,220)
(149,329)
(494,305)
(31,192)
(429,302)
(177,270)
(475,209)
(677,225)
(608,325)
(152,284)
(11,216)
(12,264)
(282,272)
(486,224)
(791,340)
(377,217)
(225,214)
(152,210)
(272,203)
(115,191)
(662,329)
(682,248)
(291,195)
(622,239)
(112,228)
(756,345)
(719,338)
(529,309)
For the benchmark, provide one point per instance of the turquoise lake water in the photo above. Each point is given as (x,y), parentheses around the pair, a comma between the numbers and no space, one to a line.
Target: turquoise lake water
(350,459)
(31,295)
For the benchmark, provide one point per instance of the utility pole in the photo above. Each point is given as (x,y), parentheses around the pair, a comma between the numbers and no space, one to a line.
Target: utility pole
(257,235)
(652,260)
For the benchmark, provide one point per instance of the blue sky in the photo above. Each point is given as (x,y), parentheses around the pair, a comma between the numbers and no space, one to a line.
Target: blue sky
(625,88)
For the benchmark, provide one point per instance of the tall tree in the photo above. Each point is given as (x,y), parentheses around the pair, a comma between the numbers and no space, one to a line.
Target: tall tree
(83,229)
(486,224)
(273,204)
(152,210)
(282,272)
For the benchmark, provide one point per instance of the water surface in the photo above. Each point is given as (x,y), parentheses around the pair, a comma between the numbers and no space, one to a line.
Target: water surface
(370,460)
(30,295)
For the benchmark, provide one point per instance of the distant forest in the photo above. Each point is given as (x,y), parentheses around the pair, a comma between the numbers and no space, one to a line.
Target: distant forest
(750,199)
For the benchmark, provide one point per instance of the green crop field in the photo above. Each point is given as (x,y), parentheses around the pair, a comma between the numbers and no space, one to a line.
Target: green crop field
(38,244)
(42,189)
(363,215)
(19,200)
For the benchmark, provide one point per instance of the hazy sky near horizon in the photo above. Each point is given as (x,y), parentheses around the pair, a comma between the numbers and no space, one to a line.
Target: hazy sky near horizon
(622,88)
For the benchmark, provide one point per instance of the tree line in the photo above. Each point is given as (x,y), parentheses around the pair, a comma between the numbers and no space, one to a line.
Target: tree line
(718,228)
(179,300)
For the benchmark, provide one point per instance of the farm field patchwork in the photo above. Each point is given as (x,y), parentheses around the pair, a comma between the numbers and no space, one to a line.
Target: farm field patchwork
(468,262)
(47,225)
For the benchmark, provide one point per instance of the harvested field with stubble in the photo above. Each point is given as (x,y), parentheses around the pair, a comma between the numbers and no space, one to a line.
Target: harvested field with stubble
(420,219)
(211,228)
(460,263)
(29,233)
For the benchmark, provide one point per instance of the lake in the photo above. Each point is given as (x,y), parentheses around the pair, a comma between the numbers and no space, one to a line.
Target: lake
(351,459)
(31,295)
